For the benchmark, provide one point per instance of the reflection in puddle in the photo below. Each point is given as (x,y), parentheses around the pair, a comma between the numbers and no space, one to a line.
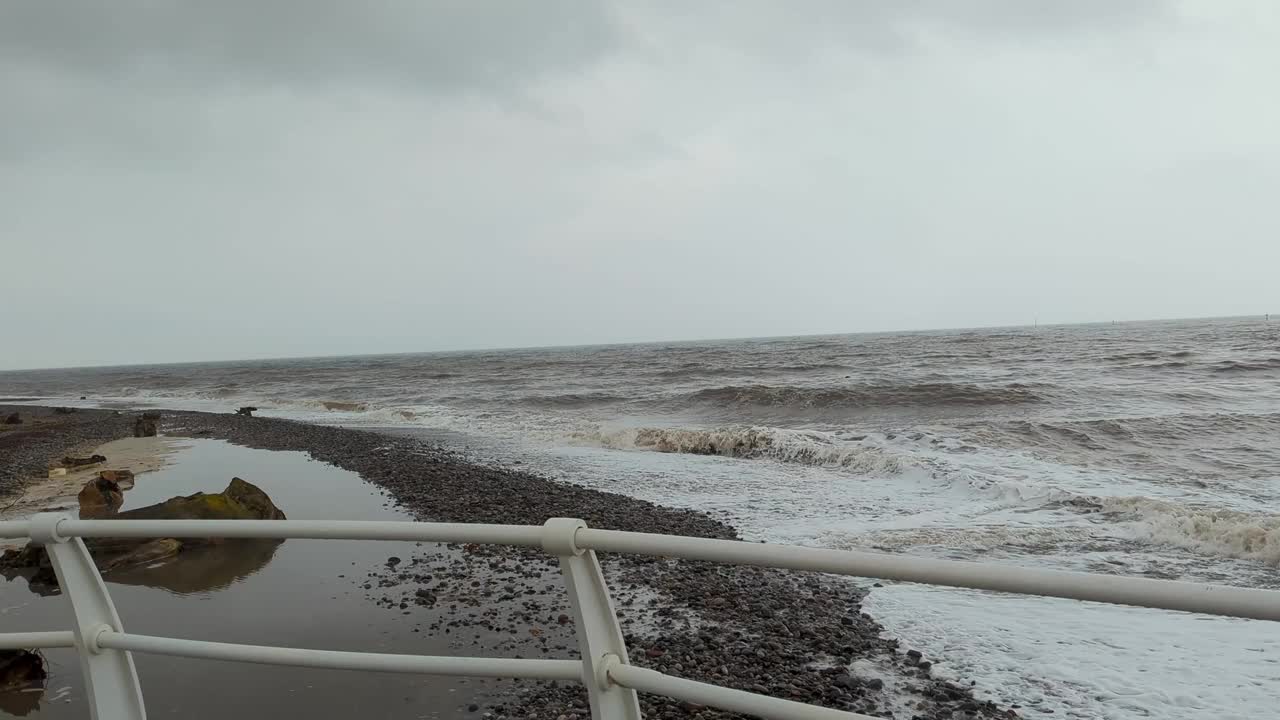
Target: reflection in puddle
(211,567)
(22,681)
(295,593)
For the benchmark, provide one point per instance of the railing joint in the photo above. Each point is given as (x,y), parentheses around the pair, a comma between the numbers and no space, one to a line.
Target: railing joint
(558,536)
(44,528)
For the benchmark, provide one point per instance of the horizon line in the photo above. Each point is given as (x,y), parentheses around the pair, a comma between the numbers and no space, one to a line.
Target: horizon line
(566,346)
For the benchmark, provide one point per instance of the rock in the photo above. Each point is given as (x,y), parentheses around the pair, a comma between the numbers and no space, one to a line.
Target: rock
(393,561)
(99,496)
(247,411)
(875,684)
(240,501)
(147,425)
(75,462)
(845,681)
(57,472)
(20,669)
(64,410)
(914,655)
(13,419)
(563,619)
(123,478)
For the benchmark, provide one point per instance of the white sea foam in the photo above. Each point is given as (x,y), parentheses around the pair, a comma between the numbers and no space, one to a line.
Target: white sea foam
(1213,531)
(788,446)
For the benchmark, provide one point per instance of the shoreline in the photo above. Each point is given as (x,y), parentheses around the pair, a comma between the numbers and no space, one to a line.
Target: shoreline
(794,635)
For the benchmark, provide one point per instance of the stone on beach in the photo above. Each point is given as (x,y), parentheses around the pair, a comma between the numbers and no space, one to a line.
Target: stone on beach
(240,501)
(123,478)
(99,496)
(75,462)
(147,425)
(247,411)
(13,419)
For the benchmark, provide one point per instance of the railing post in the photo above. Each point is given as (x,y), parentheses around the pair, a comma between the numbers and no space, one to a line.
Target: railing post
(599,636)
(110,680)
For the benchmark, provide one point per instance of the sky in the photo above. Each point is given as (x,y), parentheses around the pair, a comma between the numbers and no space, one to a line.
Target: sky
(186,181)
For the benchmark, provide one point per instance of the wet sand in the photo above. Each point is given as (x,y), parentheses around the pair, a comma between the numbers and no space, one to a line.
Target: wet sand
(784,634)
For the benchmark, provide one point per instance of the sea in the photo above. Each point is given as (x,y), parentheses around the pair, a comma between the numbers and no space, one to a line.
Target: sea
(1145,449)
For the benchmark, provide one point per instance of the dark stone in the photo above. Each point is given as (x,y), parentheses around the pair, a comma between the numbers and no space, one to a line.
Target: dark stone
(147,425)
(13,419)
(875,684)
(247,411)
(81,462)
(563,619)
(20,669)
(393,561)
(845,680)
(64,410)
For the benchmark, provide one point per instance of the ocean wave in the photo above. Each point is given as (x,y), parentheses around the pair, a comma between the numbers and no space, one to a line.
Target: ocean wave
(702,370)
(1238,366)
(343,406)
(787,446)
(1126,434)
(869,395)
(572,400)
(1221,532)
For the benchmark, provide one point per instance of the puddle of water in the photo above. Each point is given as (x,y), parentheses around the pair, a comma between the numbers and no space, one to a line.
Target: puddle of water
(287,594)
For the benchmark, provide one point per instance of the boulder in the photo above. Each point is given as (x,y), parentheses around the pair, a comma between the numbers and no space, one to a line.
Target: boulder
(13,419)
(240,501)
(123,478)
(100,496)
(147,425)
(247,411)
(74,462)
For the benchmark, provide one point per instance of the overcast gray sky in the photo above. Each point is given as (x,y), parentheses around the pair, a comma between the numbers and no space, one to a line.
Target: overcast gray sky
(215,180)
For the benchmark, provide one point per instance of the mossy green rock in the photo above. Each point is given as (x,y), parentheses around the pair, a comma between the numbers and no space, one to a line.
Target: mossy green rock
(240,501)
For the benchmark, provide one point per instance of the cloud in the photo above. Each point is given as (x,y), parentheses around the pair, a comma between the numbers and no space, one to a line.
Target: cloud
(672,170)
(443,46)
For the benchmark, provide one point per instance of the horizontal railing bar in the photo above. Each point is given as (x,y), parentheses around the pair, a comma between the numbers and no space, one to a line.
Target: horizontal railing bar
(15,528)
(652,681)
(342,660)
(526,535)
(31,640)
(1141,592)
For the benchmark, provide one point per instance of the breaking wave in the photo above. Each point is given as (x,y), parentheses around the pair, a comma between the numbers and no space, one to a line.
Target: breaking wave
(788,446)
(1226,533)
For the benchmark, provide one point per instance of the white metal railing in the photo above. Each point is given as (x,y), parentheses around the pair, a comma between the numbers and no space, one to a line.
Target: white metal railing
(111,682)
